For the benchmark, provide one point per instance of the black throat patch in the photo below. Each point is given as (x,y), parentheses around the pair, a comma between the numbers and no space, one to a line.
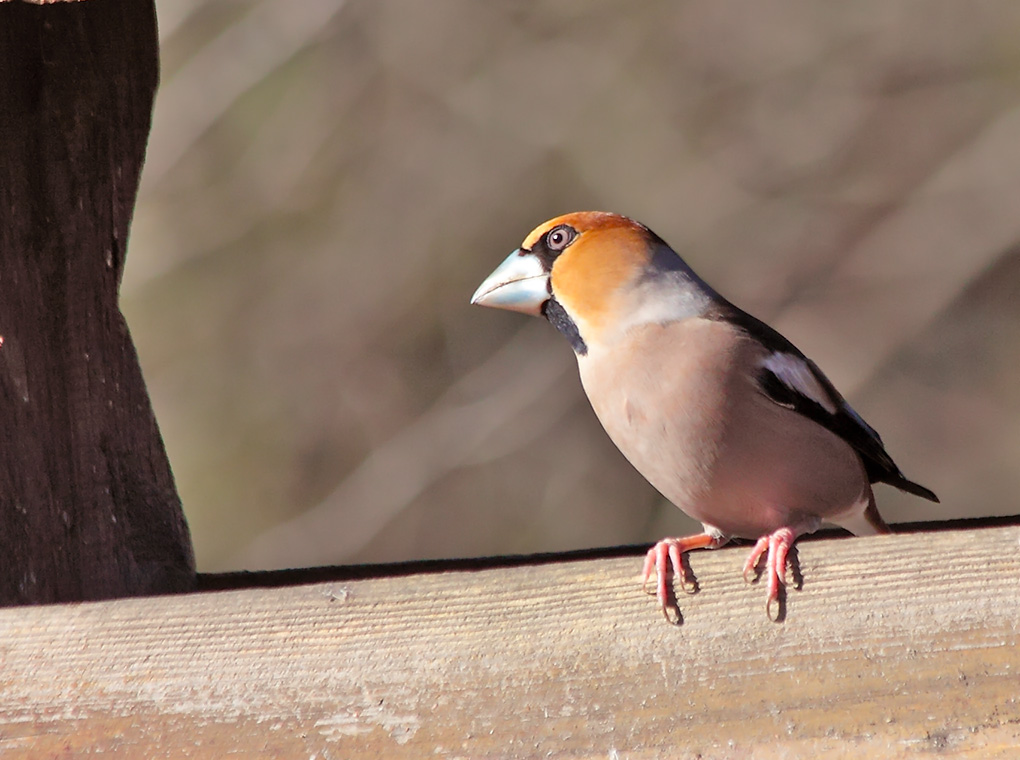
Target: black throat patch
(558,318)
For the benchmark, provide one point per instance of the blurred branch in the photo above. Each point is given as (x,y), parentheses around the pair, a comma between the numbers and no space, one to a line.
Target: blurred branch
(258,188)
(211,82)
(451,434)
(915,262)
(173,16)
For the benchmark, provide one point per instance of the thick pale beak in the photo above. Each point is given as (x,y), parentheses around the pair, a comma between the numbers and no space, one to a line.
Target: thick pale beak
(520,283)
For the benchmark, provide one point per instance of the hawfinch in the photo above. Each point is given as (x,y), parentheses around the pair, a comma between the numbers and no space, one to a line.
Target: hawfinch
(722,414)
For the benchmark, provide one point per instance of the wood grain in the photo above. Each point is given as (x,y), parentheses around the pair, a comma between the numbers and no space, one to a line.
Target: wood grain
(896,646)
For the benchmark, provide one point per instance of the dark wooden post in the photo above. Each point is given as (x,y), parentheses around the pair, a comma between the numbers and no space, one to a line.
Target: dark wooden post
(88,507)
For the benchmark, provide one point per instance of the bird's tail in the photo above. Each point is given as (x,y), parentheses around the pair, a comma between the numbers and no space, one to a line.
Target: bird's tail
(910,486)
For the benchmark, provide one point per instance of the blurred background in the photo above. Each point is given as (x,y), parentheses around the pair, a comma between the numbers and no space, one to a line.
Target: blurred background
(328,181)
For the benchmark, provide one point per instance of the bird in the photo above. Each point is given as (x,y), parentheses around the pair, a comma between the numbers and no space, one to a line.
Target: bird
(724,416)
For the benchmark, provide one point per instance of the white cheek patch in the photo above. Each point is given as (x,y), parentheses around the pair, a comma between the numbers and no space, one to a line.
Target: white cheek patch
(662,301)
(792,372)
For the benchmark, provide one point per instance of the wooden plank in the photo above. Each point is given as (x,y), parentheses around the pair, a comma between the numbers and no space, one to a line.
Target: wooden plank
(896,646)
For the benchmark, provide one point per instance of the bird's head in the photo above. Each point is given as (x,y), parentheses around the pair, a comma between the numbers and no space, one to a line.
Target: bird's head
(593,275)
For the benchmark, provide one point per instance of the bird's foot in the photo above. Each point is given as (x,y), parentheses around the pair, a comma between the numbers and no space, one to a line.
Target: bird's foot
(778,545)
(669,552)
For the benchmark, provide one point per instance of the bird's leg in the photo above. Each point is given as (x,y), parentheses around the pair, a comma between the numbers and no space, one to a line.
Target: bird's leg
(667,552)
(778,545)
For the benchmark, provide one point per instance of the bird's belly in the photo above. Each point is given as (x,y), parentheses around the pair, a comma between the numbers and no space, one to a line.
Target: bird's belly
(780,469)
(724,453)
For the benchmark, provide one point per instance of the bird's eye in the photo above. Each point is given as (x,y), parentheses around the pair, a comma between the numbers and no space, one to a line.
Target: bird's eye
(560,237)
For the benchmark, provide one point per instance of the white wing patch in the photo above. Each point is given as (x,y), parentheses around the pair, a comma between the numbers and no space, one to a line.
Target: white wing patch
(792,372)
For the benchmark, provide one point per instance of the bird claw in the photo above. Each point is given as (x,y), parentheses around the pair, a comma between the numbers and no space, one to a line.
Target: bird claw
(751,565)
(667,555)
(665,559)
(672,614)
(778,546)
(768,609)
